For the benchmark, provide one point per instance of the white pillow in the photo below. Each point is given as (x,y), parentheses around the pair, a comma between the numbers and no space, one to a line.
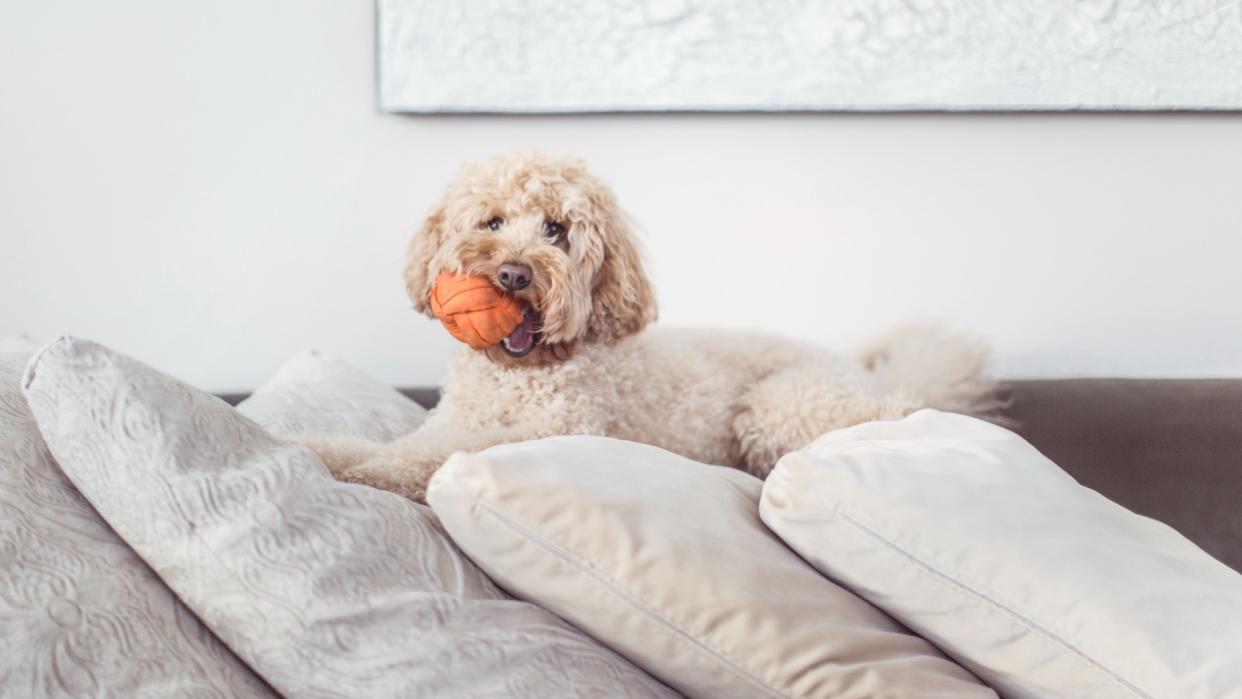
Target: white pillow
(80,613)
(326,589)
(1044,588)
(319,394)
(665,560)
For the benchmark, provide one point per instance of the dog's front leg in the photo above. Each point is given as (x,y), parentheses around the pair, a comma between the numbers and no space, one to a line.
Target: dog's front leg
(406,465)
(338,452)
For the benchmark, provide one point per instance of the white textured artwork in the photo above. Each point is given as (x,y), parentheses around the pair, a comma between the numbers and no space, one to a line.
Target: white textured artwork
(739,55)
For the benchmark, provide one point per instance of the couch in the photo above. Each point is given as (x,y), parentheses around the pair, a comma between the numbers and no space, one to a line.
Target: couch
(1170,449)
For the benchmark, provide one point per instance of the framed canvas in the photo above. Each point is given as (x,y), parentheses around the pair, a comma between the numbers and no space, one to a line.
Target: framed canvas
(540,56)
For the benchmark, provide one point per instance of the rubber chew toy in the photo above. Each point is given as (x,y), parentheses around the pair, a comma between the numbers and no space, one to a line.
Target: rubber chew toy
(473,310)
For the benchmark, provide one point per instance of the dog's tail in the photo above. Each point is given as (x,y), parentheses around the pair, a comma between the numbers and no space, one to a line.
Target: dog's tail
(936,367)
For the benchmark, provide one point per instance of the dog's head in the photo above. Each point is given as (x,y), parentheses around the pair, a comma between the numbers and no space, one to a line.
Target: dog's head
(551,234)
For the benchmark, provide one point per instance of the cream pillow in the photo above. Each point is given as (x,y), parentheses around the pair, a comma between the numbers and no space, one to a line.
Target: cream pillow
(316,393)
(665,560)
(1044,588)
(325,589)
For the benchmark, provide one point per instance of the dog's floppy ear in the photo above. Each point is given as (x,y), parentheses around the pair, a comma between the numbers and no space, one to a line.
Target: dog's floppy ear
(623,302)
(419,275)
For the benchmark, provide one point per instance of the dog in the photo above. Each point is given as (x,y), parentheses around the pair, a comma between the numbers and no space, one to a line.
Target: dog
(584,361)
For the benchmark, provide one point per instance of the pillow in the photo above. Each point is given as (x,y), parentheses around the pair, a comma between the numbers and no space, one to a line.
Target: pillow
(665,560)
(80,613)
(326,589)
(319,394)
(1044,588)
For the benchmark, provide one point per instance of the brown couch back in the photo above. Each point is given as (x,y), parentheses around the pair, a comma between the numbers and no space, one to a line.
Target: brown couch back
(1170,449)
(1167,449)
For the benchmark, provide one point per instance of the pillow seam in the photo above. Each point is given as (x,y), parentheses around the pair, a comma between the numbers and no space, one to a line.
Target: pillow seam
(847,515)
(619,591)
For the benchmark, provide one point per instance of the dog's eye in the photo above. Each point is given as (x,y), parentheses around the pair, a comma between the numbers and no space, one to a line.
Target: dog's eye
(495,223)
(553,229)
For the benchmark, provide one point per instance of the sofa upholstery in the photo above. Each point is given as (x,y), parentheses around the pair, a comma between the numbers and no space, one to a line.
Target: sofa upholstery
(1170,449)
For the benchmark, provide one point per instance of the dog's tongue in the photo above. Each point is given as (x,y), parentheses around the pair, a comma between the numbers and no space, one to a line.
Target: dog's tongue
(522,337)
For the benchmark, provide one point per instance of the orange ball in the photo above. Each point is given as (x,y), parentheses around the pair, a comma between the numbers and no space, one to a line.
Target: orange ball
(473,310)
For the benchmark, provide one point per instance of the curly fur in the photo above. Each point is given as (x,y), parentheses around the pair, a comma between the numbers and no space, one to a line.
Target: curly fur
(736,399)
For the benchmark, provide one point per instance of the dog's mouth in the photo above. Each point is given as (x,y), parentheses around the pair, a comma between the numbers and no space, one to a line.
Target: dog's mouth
(525,336)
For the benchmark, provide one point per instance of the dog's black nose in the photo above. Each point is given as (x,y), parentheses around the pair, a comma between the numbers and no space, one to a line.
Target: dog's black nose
(513,276)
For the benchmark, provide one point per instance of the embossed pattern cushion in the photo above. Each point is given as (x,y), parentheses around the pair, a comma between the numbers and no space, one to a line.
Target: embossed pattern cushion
(326,589)
(81,615)
(319,394)
(665,559)
(1045,588)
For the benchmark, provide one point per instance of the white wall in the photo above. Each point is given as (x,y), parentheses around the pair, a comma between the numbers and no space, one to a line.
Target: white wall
(208,186)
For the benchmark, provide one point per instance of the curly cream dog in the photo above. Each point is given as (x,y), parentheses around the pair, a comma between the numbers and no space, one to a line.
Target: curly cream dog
(583,362)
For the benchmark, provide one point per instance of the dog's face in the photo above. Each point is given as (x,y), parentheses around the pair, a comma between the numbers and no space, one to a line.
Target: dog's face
(549,233)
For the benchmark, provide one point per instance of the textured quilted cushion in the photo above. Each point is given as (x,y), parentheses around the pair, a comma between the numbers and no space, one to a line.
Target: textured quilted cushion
(318,394)
(80,613)
(326,589)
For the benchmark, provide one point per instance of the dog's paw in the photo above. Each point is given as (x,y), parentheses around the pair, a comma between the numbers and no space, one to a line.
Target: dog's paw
(338,453)
(395,478)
